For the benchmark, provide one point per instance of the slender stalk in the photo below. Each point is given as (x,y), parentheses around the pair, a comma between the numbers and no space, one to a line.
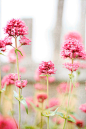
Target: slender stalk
(47,91)
(48,122)
(42,117)
(17,63)
(64,124)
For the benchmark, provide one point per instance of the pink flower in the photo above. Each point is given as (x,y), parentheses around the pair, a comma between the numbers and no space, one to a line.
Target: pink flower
(15,28)
(51,79)
(71,67)
(72,48)
(6,68)
(12,55)
(8,123)
(21,84)
(57,121)
(9,79)
(82,65)
(53,102)
(47,68)
(28,100)
(7,40)
(40,86)
(83,108)
(41,97)
(62,88)
(2,45)
(74,35)
(22,69)
(24,40)
(79,123)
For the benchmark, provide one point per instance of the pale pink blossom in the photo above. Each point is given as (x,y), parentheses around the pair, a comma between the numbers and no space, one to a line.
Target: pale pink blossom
(21,84)
(83,108)
(6,68)
(57,121)
(22,70)
(50,79)
(12,55)
(47,68)
(40,86)
(73,35)
(24,40)
(53,102)
(15,28)
(8,123)
(28,100)
(82,65)
(71,67)
(41,97)
(72,48)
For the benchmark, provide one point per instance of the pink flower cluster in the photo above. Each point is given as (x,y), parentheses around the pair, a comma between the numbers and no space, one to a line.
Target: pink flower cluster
(40,86)
(28,100)
(9,79)
(71,67)
(22,70)
(83,108)
(12,55)
(79,123)
(7,123)
(21,84)
(72,48)
(41,97)
(74,35)
(24,40)
(15,28)
(47,68)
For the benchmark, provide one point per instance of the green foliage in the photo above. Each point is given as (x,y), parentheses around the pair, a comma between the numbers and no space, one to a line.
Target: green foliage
(3,89)
(69,118)
(18,51)
(22,100)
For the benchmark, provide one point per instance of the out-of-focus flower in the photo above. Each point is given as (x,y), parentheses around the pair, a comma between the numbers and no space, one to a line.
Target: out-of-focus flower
(22,70)
(79,123)
(74,35)
(6,68)
(12,55)
(50,79)
(15,28)
(24,40)
(83,107)
(82,65)
(8,123)
(28,100)
(62,87)
(2,45)
(9,79)
(72,48)
(41,97)
(57,121)
(47,68)
(21,84)
(71,67)
(40,86)
(53,102)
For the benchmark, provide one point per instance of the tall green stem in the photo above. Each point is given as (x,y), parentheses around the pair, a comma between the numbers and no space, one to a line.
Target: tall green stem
(47,91)
(64,124)
(48,122)
(17,63)
(42,117)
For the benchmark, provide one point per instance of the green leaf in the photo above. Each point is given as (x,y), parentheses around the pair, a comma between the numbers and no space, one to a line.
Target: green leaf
(50,113)
(62,115)
(3,89)
(16,95)
(36,108)
(2,54)
(71,76)
(71,119)
(25,104)
(18,51)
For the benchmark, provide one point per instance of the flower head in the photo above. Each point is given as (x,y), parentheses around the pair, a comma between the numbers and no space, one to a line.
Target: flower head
(41,97)
(72,48)
(7,40)
(15,28)
(21,84)
(74,35)
(79,123)
(2,45)
(22,70)
(40,86)
(83,107)
(71,67)
(47,68)
(24,40)
(6,68)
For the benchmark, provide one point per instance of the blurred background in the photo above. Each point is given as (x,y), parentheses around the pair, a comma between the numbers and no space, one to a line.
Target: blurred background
(48,22)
